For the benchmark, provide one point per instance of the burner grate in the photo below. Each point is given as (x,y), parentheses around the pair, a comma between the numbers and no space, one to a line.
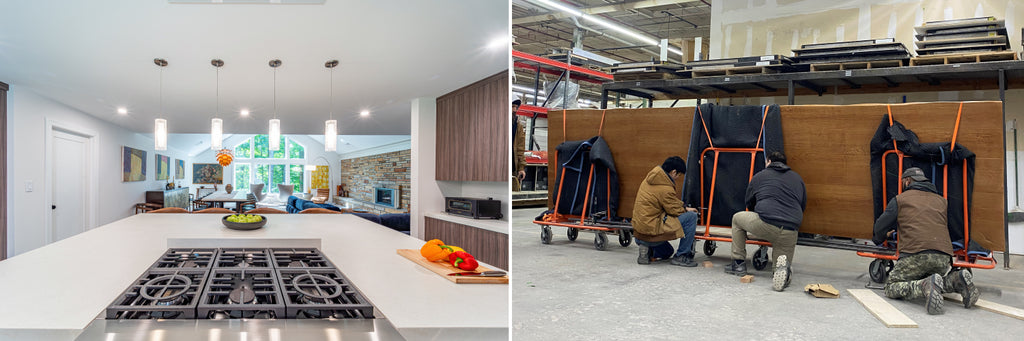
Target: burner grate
(185,258)
(160,294)
(321,293)
(243,258)
(299,258)
(241,293)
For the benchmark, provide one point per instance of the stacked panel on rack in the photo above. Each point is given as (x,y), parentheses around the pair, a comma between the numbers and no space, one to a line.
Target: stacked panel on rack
(972,35)
(871,50)
(645,70)
(737,66)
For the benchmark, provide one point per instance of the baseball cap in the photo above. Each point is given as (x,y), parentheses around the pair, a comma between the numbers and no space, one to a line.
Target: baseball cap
(914,173)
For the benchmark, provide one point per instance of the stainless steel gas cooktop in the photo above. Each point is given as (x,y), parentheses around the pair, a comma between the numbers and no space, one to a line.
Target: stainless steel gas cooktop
(241,283)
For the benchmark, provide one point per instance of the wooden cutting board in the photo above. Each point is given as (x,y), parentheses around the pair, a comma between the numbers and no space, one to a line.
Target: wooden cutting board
(443,269)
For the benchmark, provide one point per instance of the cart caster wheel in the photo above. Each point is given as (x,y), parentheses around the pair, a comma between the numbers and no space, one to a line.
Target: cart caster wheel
(761,258)
(709,247)
(625,238)
(600,240)
(572,233)
(879,270)
(545,235)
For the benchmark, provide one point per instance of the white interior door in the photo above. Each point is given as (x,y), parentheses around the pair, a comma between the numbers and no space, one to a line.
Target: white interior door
(70,185)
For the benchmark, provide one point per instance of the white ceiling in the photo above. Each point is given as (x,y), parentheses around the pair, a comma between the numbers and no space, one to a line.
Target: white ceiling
(98,55)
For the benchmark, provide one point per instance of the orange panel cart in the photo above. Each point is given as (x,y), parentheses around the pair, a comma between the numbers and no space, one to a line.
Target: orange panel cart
(600,223)
(962,257)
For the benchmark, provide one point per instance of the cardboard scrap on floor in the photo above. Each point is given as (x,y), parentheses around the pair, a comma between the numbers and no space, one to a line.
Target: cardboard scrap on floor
(822,290)
(747,279)
(708,264)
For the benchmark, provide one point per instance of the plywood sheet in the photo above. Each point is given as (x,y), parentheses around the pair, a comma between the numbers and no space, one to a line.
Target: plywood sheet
(827,144)
(883,311)
(639,138)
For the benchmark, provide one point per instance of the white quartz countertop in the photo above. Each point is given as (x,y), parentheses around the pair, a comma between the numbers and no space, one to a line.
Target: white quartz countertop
(499,226)
(67,284)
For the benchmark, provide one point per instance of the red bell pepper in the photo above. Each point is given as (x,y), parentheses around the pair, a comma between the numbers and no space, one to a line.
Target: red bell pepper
(463,260)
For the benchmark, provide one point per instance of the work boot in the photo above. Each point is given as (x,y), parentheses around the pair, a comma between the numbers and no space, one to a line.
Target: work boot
(963,282)
(739,269)
(645,255)
(931,288)
(683,260)
(780,279)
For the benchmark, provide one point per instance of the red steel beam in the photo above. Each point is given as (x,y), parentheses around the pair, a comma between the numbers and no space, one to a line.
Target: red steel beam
(562,66)
(575,76)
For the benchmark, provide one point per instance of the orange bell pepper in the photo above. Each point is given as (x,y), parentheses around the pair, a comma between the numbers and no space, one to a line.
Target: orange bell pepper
(435,250)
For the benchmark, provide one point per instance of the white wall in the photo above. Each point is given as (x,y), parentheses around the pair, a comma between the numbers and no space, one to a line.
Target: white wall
(27,211)
(315,155)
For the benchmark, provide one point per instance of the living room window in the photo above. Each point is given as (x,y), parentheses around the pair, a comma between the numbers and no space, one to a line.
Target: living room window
(256,164)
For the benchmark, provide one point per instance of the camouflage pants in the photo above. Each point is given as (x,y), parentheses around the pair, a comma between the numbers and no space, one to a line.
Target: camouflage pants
(908,273)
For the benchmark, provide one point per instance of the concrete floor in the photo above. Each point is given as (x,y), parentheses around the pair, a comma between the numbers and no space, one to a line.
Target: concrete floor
(570,291)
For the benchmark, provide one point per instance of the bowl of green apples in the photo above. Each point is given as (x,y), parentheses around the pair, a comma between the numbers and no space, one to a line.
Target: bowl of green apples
(244,221)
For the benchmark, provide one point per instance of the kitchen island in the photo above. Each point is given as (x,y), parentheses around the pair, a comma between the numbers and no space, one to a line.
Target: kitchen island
(55,291)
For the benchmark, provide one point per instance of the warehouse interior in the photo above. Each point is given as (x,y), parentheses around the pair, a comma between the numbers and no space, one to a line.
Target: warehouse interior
(638,70)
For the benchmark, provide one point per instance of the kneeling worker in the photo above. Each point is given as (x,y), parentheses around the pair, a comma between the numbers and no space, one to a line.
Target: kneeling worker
(776,199)
(659,216)
(925,250)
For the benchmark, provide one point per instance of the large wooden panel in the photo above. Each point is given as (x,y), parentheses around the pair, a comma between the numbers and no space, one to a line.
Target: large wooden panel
(639,138)
(828,145)
(473,132)
(487,246)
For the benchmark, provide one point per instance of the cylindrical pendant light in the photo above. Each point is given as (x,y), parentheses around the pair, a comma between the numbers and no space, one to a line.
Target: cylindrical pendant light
(216,134)
(275,134)
(275,124)
(160,125)
(331,125)
(331,135)
(160,135)
(216,124)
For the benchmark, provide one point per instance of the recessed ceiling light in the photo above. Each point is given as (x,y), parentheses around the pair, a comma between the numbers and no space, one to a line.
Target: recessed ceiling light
(364,113)
(244,112)
(122,110)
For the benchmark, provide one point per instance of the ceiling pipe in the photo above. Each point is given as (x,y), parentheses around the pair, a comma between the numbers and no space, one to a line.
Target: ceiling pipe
(577,22)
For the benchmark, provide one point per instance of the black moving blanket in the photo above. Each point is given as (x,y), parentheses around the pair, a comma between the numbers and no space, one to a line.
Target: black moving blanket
(575,160)
(931,158)
(728,127)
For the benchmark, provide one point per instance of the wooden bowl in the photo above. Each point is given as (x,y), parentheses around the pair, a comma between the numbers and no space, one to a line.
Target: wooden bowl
(243,226)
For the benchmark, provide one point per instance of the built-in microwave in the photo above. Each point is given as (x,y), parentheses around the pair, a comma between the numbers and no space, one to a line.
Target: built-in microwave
(473,207)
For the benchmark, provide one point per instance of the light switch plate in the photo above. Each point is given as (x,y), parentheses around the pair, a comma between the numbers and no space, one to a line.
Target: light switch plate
(28,186)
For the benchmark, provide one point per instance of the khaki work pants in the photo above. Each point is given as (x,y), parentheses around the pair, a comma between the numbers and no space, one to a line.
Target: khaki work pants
(783,241)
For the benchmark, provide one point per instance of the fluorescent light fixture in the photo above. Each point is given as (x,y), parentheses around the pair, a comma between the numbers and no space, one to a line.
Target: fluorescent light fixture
(216,134)
(244,112)
(122,110)
(560,7)
(626,31)
(275,134)
(160,134)
(331,135)
(364,113)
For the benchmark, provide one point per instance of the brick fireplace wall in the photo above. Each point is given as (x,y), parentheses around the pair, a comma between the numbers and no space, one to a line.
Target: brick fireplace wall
(389,170)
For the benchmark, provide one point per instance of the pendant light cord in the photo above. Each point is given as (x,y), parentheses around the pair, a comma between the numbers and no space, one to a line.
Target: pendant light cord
(275,92)
(331,109)
(217,112)
(161,90)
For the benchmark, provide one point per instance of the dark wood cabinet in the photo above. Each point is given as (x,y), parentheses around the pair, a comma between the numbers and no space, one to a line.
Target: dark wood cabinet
(487,246)
(473,131)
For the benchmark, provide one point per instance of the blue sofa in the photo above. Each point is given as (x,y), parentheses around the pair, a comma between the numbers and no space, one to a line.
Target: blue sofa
(395,221)
(296,205)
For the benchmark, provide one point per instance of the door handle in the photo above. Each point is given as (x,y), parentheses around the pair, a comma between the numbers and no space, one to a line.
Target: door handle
(53,207)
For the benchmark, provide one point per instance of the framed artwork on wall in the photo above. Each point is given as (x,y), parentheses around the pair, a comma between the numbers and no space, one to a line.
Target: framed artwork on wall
(163,166)
(179,169)
(133,164)
(207,173)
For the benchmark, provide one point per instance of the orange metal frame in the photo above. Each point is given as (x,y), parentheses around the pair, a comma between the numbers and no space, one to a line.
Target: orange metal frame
(961,258)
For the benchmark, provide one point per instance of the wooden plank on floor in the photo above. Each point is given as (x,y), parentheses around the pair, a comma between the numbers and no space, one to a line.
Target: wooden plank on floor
(997,308)
(884,311)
